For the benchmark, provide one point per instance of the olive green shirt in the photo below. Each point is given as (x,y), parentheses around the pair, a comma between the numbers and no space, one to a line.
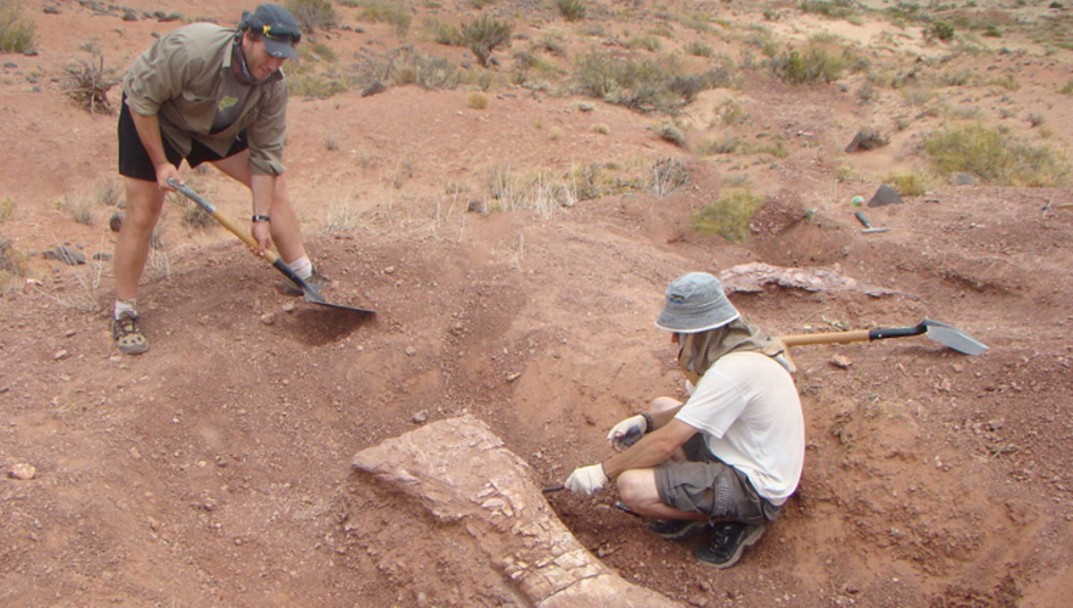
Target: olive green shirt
(181,80)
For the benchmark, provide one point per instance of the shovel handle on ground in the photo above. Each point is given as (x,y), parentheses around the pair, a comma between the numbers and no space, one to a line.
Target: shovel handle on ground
(948,336)
(857,335)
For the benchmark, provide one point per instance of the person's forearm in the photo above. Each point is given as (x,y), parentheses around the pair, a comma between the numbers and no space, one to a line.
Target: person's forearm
(651,450)
(148,128)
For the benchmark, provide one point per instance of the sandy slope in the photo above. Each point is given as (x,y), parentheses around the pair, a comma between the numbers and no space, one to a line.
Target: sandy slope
(214,470)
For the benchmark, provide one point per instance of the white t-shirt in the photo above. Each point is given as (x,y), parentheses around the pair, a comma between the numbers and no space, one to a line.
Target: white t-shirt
(747,407)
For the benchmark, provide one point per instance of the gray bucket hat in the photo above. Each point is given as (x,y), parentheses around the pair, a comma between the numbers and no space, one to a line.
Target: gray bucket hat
(695,302)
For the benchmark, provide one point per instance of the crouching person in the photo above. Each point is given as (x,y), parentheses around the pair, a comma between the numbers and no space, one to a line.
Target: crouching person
(723,463)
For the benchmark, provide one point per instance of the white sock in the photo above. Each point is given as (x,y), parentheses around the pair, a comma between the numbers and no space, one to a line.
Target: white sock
(302,267)
(126,306)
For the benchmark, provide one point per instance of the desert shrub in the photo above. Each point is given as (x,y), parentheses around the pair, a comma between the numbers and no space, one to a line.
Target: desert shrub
(571,10)
(314,86)
(812,64)
(1067,89)
(647,42)
(477,101)
(731,112)
(484,35)
(670,133)
(87,84)
(994,157)
(698,49)
(313,14)
(392,12)
(728,216)
(80,209)
(196,217)
(668,175)
(647,85)
(907,184)
(411,67)
(940,30)
(834,9)
(7,208)
(11,262)
(109,193)
(443,33)
(17,34)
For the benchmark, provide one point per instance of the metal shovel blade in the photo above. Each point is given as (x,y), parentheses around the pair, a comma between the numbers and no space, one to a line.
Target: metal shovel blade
(953,338)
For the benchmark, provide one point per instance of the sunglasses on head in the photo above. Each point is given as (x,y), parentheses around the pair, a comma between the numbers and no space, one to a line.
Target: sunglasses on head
(281,33)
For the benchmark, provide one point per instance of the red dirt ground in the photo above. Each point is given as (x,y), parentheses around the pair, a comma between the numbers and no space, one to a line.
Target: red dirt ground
(214,470)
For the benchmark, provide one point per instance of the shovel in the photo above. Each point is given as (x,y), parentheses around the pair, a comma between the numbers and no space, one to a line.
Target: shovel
(310,292)
(942,333)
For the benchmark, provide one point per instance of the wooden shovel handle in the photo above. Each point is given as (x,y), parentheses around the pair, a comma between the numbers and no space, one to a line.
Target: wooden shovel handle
(225,221)
(834,337)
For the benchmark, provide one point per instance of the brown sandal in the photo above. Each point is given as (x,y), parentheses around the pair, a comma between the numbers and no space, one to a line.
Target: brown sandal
(128,336)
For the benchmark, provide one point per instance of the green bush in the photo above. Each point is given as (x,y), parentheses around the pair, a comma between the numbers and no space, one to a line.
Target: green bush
(647,85)
(728,216)
(994,157)
(17,34)
(813,64)
(835,9)
(313,14)
(699,49)
(941,31)
(571,10)
(394,12)
(484,35)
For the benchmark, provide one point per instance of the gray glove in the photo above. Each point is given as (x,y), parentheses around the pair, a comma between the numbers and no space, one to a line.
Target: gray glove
(626,433)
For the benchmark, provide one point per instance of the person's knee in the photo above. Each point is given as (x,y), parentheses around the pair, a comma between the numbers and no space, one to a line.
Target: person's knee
(637,486)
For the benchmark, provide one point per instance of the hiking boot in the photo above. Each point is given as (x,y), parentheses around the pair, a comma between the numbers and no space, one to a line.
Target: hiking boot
(679,529)
(128,337)
(727,542)
(316,280)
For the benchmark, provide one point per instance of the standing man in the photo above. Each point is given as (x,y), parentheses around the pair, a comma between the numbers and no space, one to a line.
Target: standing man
(725,461)
(205,93)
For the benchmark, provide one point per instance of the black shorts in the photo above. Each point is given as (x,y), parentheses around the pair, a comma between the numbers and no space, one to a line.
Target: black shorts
(134,161)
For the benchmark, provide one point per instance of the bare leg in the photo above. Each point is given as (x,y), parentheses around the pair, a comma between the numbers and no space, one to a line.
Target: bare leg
(637,487)
(286,234)
(144,202)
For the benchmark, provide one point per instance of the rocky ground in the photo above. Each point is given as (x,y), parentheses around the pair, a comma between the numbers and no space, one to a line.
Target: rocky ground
(215,470)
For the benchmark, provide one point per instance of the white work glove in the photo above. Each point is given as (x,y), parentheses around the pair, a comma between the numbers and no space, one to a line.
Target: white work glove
(626,433)
(587,480)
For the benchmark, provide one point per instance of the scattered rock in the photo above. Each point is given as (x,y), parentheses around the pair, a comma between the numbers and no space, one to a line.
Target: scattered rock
(116,221)
(885,195)
(866,139)
(67,255)
(374,88)
(751,278)
(60,355)
(22,471)
(841,361)
(268,318)
(477,206)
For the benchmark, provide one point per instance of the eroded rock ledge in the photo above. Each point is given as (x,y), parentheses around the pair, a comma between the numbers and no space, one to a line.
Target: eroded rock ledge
(461,474)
